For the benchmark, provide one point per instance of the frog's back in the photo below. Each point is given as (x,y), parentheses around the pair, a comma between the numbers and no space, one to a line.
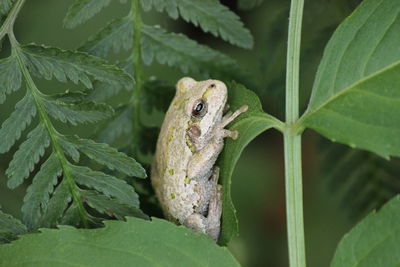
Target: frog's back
(174,191)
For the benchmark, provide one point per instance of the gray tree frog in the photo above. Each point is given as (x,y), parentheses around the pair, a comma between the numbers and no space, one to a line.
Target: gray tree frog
(192,136)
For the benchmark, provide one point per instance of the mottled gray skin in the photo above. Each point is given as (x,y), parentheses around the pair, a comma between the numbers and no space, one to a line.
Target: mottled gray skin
(183,173)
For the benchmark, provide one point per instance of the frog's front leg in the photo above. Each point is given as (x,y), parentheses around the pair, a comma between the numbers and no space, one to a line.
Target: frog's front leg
(204,159)
(209,224)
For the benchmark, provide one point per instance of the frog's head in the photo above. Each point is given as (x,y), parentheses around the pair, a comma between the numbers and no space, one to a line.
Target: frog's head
(205,105)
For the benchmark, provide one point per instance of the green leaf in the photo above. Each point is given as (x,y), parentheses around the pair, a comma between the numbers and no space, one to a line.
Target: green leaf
(157,95)
(10,227)
(111,207)
(69,148)
(135,242)
(10,77)
(249,125)
(57,205)
(249,4)
(82,112)
(28,154)
(177,50)
(374,241)
(121,124)
(117,35)
(5,7)
(75,66)
(360,70)
(109,156)
(82,10)
(210,15)
(106,184)
(19,119)
(38,193)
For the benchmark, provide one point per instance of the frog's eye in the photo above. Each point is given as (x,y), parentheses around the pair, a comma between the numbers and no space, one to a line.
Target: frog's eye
(199,108)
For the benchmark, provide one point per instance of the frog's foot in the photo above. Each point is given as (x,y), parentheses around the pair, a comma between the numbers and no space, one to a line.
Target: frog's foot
(214,214)
(229,117)
(228,133)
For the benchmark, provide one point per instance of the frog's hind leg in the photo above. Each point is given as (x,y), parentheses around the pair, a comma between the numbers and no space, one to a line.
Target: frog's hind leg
(209,225)
(215,207)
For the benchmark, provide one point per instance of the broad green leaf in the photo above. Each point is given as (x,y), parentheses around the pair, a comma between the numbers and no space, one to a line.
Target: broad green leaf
(356,94)
(5,7)
(249,4)
(111,207)
(57,205)
(178,50)
(10,227)
(249,125)
(106,184)
(19,119)
(82,10)
(82,112)
(38,193)
(28,154)
(210,15)
(76,66)
(374,241)
(109,156)
(10,77)
(133,243)
(115,36)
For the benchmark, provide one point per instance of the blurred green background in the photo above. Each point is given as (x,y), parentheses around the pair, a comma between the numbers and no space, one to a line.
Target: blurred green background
(258,182)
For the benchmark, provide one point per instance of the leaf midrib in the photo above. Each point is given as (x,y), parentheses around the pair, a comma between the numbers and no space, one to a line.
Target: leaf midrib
(310,112)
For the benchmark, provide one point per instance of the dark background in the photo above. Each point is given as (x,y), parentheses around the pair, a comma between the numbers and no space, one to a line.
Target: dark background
(258,182)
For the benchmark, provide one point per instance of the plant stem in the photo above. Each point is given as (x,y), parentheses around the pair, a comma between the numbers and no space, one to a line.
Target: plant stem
(137,68)
(44,118)
(292,142)
(8,24)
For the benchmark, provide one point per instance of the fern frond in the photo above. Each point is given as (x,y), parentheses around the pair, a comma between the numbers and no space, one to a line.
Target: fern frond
(5,6)
(111,207)
(210,15)
(28,154)
(38,193)
(249,4)
(157,95)
(116,35)
(10,227)
(65,65)
(72,216)
(121,124)
(177,50)
(82,112)
(82,10)
(19,119)
(10,77)
(109,156)
(363,181)
(69,148)
(58,203)
(106,184)
(41,207)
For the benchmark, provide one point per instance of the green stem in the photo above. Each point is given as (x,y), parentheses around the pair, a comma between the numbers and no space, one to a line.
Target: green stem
(137,68)
(292,142)
(52,132)
(8,24)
